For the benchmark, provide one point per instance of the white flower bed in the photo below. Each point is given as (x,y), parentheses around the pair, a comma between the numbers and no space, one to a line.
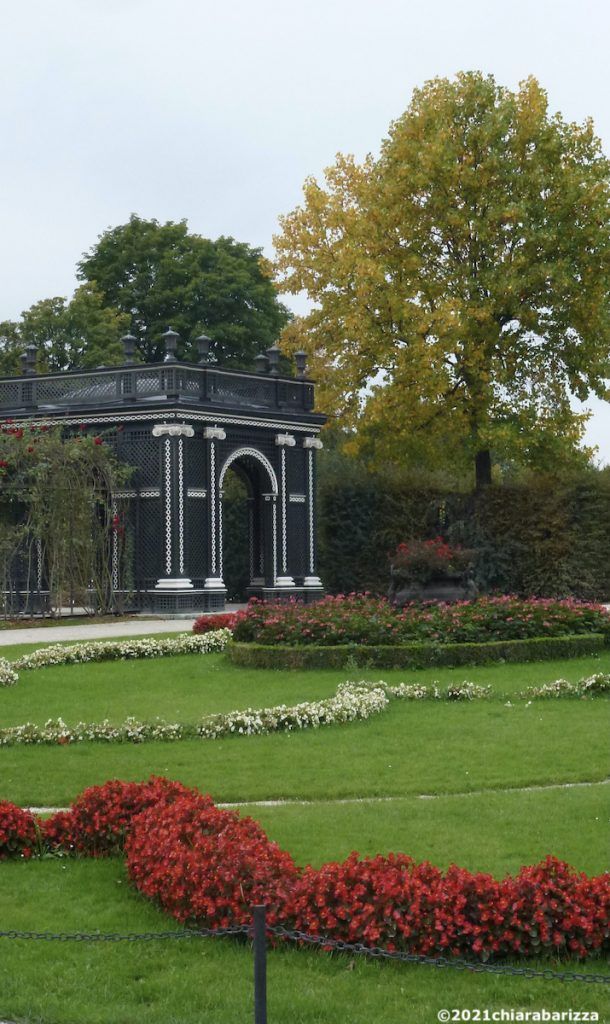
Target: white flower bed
(587,687)
(125,650)
(433,691)
(8,676)
(349,703)
(353,700)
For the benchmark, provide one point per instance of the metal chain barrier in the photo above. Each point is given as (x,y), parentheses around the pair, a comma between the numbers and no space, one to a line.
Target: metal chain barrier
(328,944)
(476,966)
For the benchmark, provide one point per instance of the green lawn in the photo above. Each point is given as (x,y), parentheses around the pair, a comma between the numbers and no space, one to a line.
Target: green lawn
(186,687)
(409,748)
(469,757)
(210,981)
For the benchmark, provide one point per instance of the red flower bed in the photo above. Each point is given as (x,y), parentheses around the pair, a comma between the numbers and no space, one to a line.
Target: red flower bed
(97,822)
(206,623)
(395,903)
(207,866)
(18,832)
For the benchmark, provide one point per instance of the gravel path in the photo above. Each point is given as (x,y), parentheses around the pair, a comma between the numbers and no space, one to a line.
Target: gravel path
(94,631)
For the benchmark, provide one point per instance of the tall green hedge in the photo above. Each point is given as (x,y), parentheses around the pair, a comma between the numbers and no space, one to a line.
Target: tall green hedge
(542,537)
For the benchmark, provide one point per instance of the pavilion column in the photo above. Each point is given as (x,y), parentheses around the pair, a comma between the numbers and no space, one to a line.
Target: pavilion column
(311,444)
(214,580)
(270,537)
(283,441)
(172,437)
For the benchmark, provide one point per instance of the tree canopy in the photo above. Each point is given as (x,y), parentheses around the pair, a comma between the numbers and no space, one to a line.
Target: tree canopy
(460,281)
(80,333)
(161,275)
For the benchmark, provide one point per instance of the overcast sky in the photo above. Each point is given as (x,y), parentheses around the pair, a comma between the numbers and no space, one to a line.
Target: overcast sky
(217,111)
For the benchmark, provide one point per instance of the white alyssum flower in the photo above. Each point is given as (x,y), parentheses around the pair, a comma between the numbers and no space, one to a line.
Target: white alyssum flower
(125,650)
(8,676)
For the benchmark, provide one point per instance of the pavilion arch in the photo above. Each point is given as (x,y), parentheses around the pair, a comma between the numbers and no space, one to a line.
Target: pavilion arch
(249,453)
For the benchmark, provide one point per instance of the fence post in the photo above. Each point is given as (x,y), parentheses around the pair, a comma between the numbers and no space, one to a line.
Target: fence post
(259,915)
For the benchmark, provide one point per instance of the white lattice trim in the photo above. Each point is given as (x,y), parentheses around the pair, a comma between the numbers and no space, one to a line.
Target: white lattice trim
(167,459)
(255,454)
(195,417)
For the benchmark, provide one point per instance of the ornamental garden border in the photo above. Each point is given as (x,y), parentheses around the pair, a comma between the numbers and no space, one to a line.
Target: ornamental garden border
(204,865)
(416,655)
(353,701)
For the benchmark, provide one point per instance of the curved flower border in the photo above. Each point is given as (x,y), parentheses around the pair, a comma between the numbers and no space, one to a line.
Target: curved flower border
(114,650)
(352,701)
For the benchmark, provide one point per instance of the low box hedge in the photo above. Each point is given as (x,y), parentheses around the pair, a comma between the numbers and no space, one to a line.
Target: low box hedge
(416,655)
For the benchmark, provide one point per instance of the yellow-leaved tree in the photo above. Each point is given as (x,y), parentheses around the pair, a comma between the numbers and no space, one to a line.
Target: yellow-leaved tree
(460,282)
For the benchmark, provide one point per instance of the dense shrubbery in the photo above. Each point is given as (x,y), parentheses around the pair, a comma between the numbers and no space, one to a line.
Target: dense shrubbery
(97,822)
(544,537)
(363,619)
(207,867)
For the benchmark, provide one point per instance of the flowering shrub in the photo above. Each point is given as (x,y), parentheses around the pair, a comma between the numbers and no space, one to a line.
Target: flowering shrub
(18,832)
(8,676)
(422,560)
(97,822)
(124,650)
(205,865)
(398,904)
(362,619)
(206,623)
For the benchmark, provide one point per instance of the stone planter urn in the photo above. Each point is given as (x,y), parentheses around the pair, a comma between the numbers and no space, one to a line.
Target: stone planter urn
(448,588)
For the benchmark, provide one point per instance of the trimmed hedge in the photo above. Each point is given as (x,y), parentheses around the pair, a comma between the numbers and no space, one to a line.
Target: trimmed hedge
(544,537)
(416,655)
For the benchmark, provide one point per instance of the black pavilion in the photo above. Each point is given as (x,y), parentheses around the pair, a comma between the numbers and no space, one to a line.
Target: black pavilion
(182,426)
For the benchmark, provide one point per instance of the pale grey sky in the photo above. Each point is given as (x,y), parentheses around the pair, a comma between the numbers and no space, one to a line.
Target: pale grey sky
(218,111)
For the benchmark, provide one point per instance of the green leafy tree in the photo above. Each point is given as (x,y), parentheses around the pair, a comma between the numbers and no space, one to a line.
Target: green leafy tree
(461,281)
(80,333)
(161,275)
(10,348)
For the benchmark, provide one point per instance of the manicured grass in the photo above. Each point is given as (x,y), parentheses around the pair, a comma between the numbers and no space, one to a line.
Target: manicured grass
(409,748)
(185,687)
(187,982)
(497,832)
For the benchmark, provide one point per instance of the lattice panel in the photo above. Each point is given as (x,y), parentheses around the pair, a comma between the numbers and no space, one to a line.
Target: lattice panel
(196,539)
(10,393)
(241,391)
(195,460)
(140,449)
(149,541)
(93,388)
(297,540)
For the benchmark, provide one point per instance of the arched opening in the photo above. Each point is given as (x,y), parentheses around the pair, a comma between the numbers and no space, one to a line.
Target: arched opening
(248,489)
(236,536)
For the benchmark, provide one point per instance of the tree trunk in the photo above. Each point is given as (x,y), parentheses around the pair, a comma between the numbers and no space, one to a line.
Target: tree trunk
(483,469)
